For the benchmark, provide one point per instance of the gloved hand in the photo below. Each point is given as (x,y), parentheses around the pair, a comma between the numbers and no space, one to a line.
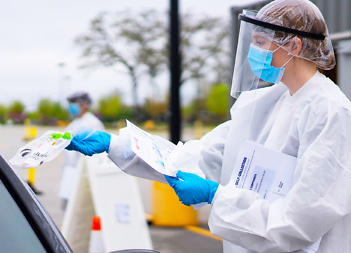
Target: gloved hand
(192,189)
(90,142)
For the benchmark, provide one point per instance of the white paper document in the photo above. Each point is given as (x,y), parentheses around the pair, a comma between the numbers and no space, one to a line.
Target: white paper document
(268,172)
(157,155)
(150,150)
(265,171)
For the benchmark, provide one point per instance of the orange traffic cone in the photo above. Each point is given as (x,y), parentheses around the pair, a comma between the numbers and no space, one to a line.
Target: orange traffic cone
(96,245)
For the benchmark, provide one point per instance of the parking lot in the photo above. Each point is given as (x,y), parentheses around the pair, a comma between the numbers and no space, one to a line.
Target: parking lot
(164,239)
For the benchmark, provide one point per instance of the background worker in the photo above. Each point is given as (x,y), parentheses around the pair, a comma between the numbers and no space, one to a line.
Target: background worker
(79,105)
(303,115)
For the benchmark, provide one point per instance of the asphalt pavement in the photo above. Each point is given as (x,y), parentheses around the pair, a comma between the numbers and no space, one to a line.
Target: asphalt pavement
(164,239)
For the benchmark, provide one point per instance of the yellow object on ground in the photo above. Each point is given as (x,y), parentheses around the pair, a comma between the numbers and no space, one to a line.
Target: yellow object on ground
(29,134)
(33,132)
(167,210)
(31,176)
(203,232)
(62,123)
(149,125)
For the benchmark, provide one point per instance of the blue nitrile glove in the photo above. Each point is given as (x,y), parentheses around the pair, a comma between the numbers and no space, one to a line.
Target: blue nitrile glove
(90,142)
(192,189)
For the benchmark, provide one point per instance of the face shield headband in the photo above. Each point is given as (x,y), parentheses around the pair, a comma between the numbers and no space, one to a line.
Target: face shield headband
(281,28)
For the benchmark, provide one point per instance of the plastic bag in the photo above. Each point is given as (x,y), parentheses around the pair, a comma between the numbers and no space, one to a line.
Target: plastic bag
(41,150)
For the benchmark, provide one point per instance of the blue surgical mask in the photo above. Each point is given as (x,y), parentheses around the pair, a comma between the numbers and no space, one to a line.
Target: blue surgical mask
(260,62)
(74,109)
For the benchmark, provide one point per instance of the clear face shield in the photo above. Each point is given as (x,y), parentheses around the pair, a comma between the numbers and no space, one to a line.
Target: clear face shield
(251,37)
(253,63)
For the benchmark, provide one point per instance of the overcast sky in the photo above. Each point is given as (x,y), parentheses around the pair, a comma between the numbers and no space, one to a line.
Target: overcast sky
(38,35)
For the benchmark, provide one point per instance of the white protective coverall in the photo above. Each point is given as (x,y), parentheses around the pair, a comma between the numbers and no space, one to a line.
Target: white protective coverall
(71,159)
(312,125)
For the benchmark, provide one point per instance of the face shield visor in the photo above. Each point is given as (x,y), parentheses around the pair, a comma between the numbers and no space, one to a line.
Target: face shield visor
(253,68)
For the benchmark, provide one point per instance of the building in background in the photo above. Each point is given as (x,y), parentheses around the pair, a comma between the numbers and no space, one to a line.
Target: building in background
(338,19)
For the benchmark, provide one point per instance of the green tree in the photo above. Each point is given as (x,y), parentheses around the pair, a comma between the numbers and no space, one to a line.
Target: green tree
(110,107)
(33,116)
(16,111)
(59,112)
(190,112)
(156,110)
(45,108)
(3,112)
(16,107)
(50,111)
(217,101)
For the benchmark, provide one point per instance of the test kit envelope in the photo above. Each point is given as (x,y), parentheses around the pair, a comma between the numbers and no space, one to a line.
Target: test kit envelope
(265,171)
(41,150)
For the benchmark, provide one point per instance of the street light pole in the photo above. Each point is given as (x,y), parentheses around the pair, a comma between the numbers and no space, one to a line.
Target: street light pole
(61,82)
(175,60)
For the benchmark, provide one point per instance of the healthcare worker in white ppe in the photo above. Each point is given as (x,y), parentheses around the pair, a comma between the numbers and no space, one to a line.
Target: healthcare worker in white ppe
(304,114)
(79,104)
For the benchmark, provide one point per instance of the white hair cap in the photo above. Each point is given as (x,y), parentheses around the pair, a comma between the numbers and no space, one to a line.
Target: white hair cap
(303,16)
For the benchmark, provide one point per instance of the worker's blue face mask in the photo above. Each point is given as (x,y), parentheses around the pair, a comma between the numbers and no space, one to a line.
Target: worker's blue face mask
(260,62)
(74,109)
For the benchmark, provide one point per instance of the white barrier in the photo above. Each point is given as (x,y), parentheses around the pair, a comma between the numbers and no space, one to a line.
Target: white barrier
(103,189)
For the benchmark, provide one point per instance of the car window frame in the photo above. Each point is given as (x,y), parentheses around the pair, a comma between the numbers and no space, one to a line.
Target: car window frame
(38,218)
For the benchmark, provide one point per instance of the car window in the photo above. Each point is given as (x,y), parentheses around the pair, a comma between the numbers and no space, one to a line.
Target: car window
(25,226)
(16,234)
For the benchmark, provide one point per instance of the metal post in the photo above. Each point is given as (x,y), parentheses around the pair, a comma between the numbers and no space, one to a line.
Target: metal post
(175,59)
